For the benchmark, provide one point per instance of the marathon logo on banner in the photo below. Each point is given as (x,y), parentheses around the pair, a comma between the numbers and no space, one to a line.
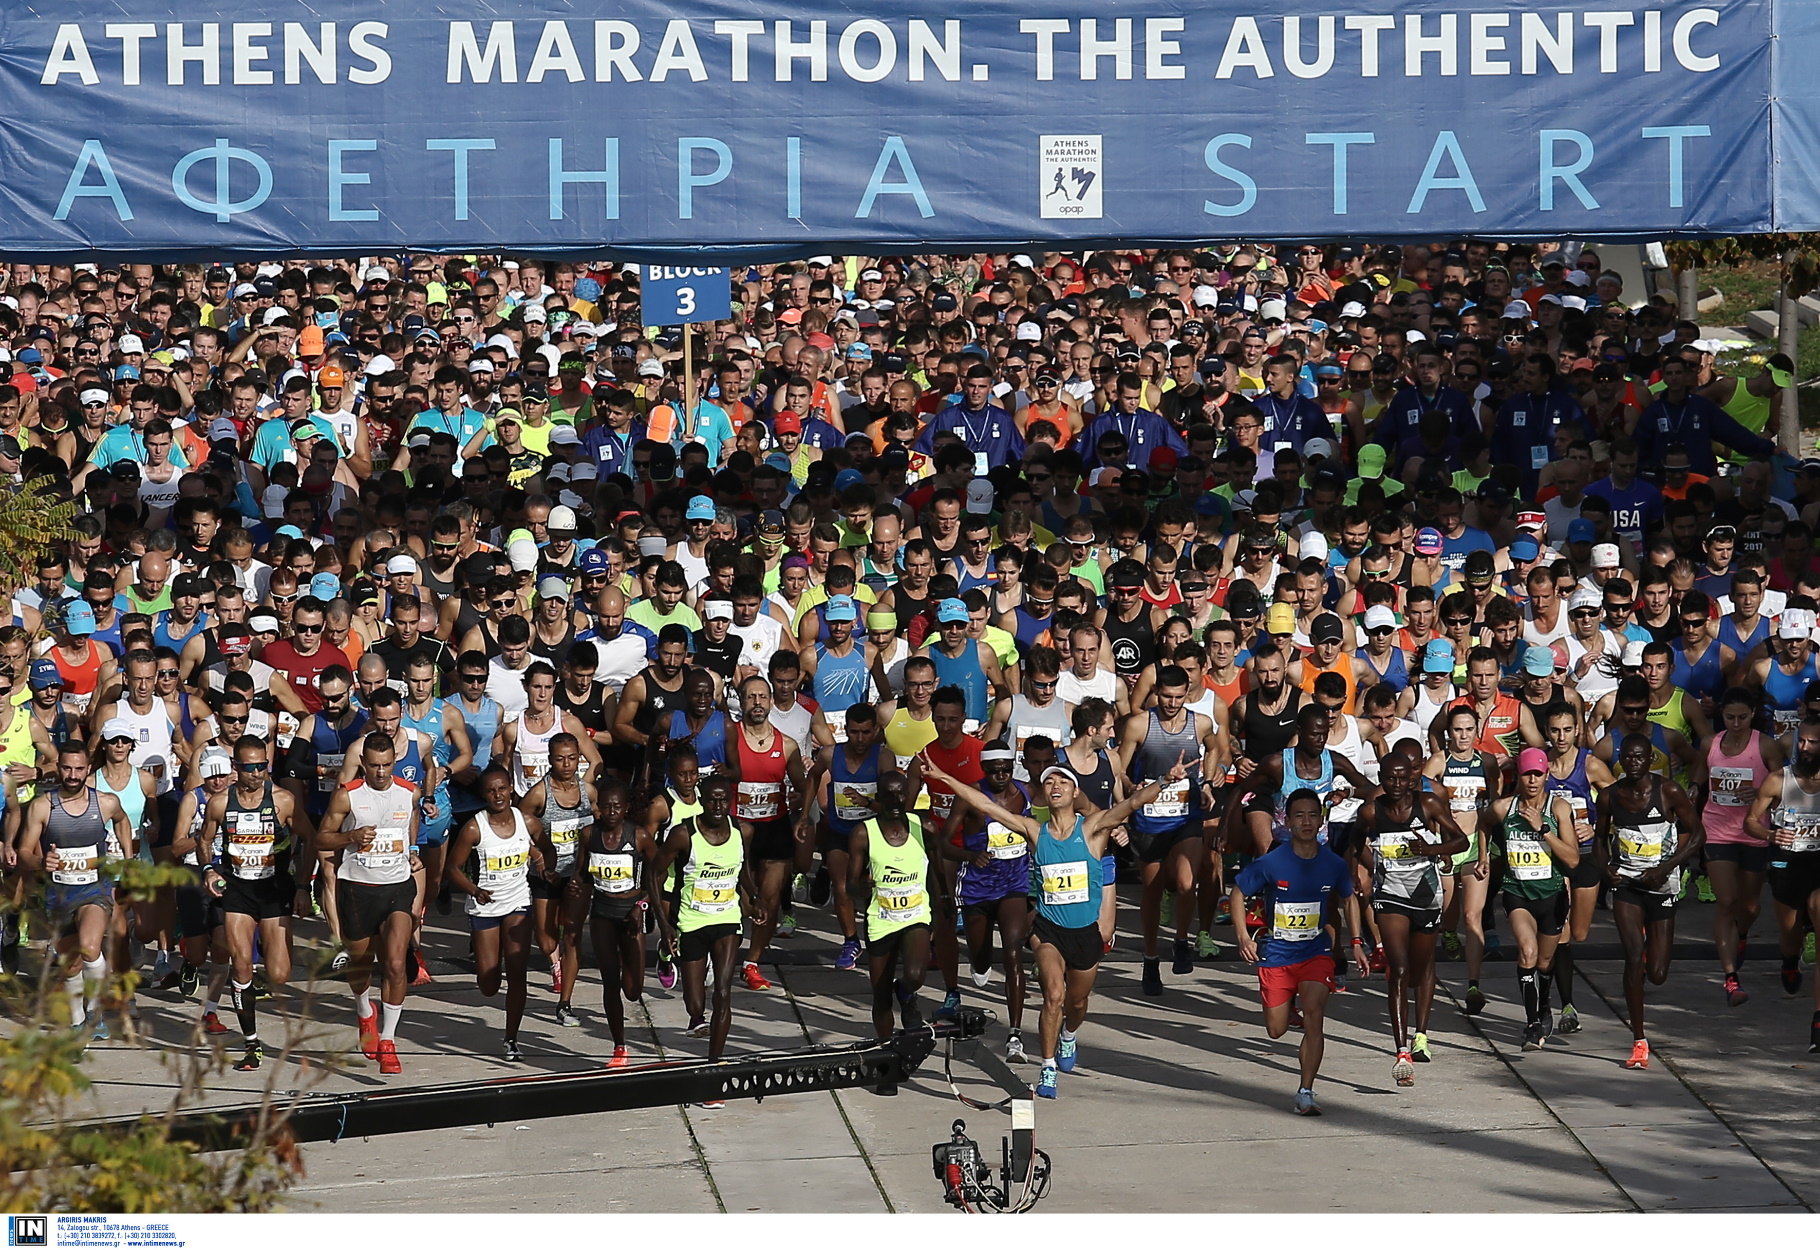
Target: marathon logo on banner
(380,125)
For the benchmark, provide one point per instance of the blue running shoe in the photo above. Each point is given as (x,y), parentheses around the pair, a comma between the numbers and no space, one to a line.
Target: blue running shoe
(848,958)
(951,1006)
(1305,1103)
(1045,1083)
(1067,1051)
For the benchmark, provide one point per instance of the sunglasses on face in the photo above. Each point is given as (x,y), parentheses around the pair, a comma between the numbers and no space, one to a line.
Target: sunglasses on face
(306,629)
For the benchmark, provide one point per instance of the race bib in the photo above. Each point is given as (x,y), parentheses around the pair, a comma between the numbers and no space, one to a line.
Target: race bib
(853,799)
(1731,787)
(532,768)
(941,803)
(1295,922)
(1003,843)
(1468,793)
(905,903)
(77,865)
(1173,801)
(1805,833)
(715,891)
(328,771)
(502,870)
(758,800)
(1528,860)
(613,872)
(564,831)
(1642,847)
(837,724)
(252,845)
(387,850)
(1393,846)
(1065,883)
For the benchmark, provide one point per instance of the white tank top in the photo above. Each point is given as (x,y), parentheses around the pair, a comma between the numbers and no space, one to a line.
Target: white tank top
(504,867)
(1425,711)
(794,724)
(1071,689)
(531,754)
(1355,752)
(152,735)
(388,860)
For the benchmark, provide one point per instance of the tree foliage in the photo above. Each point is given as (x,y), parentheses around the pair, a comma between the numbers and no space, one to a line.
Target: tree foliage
(33,517)
(1798,254)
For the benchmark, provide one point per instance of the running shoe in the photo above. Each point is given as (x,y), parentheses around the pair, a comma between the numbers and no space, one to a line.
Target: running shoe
(1532,1036)
(388,1058)
(1548,1024)
(786,926)
(1703,885)
(1418,1049)
(1639,1055)
(250,1061)
(698,1026)
(1305,1103)
(666,972)
(555,979)
(369,1035)
(1734,992)
(566,1017)
(821,887)
(164,976)
(951,1006)
(982,977)
(211,1023)
(100,1033)
(1184,959)
(1296,1019)
(1045,1082)
(1475,1000)
(1014,1048)
(1807,949)
(1204,945)
(512,1055)
(711,1104)
(1791,980)
(909,1011)
(1377,958)
(1223,915)
(1153,977)
(799,888)
(755,980)
(1451,950)
(423,974)
(1067,1052)
(621,1057)
(1570,1020)
(188,980)
(340,961)
(1339,976)
(1403,1071)
(1492,942)
(848,959)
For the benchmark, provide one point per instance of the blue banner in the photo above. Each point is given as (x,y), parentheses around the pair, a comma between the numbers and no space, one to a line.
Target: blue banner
(746,131)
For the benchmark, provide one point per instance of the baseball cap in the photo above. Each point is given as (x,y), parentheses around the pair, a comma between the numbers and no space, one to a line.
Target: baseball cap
(701,508)
(1525,547)
(331,375)
(1437,656)
(552,587)
(1280,619)
(401,563)
(650,368)
(1538,661)
(1532,760)
(118,727)
(1428,542)
(848,477)
(593,560)
(949,611)
(43,675)
(79,618)
(1585,597)
(1326,628)
(1605,556)
(264,623)
(1318,448)
(131,344)
(979,496)
(1581,530)
(1794,624)
(1531,519)
(325,586)
(840,608)
(1314,546)
(216,763)
(1380,617)
(787,423)
(564,436)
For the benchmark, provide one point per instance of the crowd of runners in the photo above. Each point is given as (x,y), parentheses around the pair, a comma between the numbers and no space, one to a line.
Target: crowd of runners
(1343,604)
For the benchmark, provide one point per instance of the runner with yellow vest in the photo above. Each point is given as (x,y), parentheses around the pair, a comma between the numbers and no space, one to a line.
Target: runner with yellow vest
(892,855)
(715,891)
(1750,402)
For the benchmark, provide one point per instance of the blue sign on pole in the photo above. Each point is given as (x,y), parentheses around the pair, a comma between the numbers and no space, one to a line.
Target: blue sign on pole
(675,294)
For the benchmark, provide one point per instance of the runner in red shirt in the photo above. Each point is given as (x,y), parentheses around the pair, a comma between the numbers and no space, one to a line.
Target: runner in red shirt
(297,662)
(1500,715)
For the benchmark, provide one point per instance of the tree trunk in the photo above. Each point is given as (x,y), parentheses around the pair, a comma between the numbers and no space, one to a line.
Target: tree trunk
(1687,293)
(1788,335)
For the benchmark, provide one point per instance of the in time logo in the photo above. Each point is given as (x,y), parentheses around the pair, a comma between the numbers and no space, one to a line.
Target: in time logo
(28,1230)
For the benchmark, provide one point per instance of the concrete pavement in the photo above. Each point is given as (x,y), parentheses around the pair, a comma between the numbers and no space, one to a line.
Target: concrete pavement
(1179,1104)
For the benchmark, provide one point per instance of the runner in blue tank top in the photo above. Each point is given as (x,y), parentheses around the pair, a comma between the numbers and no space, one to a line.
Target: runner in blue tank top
(444,725)
(1066,850)
(1574,774)
(1786,672)
(964,661)
(700,723)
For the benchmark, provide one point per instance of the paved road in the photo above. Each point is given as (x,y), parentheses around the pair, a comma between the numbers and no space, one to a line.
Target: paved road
(1174,1097)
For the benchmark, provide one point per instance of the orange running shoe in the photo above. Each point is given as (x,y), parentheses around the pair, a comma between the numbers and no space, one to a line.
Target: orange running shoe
(556,980)
(211,1023)
(621,1057)
(388,1058)
(755,980)
(369,1034)
(1403,1071)
(1639,1055)
(423,973)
